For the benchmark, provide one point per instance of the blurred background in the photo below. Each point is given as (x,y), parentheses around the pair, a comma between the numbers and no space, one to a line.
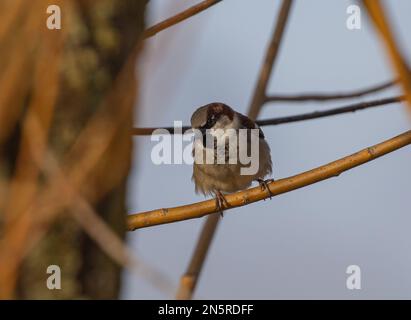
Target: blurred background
(298,245)
(67,99)
(70,170)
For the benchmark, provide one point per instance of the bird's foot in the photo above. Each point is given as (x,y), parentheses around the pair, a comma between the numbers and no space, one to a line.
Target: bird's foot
(264,186)
(221,202)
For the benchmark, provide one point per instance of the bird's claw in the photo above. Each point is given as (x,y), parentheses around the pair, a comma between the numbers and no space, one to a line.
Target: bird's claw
(221,202)
(264,186)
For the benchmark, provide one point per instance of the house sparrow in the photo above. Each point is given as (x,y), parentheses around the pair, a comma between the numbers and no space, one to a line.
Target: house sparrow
(216,120)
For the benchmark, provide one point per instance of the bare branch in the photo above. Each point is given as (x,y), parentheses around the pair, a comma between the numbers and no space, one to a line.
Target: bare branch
(331,112)
(376,13)
(295,118)
(245,197)
(149,131)
(330,96)
(271,55)
(188,281)
(179,17)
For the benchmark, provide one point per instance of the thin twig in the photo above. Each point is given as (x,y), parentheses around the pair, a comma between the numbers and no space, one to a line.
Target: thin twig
(289,119)
(245,197)
(329,96)
(267,67)
(23,185)
(188,13)
(188,281)
(376,13)
(331,112)
(149,131)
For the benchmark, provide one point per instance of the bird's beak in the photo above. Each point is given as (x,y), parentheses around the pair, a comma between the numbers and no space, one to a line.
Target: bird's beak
(203,131)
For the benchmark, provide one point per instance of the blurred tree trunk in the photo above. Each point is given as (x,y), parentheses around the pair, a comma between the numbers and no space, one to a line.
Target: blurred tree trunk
(99,37)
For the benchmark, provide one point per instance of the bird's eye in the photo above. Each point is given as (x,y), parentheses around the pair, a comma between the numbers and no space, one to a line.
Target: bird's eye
(211,120)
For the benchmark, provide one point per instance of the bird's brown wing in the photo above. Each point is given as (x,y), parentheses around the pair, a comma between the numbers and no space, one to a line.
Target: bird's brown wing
(247,123)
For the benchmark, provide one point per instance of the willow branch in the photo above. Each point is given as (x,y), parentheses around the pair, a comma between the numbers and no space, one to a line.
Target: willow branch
(330,112)
(188,281)
(271,55)
(147,131)
(288,119)
(184,15)
(330,96)
(246,197)
(377,15)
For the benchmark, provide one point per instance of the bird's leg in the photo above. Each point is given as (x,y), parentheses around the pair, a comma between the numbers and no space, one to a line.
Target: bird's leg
(264,185)
(221,202)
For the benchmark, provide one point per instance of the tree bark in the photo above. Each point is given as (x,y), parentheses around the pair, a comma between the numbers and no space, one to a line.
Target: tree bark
(97,38)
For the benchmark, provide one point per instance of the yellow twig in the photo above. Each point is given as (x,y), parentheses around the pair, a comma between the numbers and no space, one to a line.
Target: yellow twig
(179,17)
(245,197)
(189,280)
(270,57)
(321,96)
(376,13)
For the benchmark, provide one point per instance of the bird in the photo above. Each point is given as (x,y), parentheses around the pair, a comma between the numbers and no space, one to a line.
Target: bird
(216,120)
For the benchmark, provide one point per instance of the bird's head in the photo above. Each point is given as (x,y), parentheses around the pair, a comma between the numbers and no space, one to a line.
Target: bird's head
(212,116)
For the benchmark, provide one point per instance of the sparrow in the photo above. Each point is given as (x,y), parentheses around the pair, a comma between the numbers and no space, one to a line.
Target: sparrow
(222,178)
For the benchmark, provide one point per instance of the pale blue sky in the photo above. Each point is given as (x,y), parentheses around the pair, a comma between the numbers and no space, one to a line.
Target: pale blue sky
(298,245)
